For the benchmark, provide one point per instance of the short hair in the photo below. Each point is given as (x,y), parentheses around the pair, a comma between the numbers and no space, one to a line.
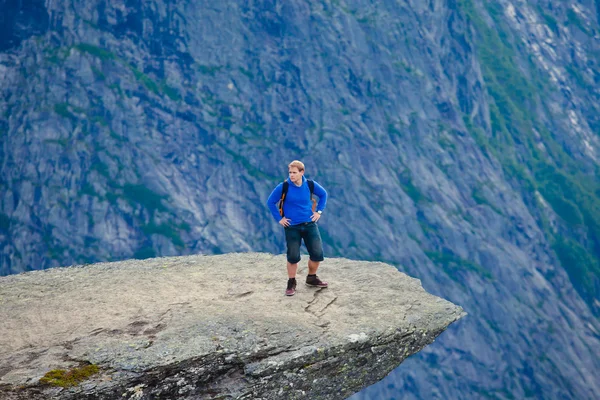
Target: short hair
(297,164)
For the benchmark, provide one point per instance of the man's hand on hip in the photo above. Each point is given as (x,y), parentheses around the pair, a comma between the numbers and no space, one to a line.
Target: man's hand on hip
(285,222)
(315,217)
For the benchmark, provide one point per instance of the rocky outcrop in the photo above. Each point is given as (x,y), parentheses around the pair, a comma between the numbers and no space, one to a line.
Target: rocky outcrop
(207,327)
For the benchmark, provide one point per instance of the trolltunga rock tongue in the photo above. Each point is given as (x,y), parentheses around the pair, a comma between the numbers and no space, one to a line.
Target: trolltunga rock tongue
(202,327)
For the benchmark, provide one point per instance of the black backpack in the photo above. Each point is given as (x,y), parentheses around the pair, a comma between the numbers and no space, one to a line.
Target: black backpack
(286,184)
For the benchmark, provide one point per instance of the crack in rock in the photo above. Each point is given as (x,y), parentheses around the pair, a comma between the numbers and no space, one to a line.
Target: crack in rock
(316,302)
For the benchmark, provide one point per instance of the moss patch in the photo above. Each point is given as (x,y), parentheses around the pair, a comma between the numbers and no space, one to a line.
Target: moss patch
(72,377)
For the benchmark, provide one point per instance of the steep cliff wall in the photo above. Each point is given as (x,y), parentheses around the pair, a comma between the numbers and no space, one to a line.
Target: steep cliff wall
(458,141)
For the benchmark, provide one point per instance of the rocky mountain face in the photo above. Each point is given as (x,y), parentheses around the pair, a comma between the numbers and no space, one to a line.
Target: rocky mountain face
(458,140)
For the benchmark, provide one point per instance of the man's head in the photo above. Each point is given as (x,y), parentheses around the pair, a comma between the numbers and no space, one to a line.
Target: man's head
(296,171)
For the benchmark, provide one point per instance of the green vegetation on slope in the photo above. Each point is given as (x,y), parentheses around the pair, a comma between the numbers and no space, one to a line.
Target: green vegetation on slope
(550,170)
(455,266)
(151,85)
(133,194)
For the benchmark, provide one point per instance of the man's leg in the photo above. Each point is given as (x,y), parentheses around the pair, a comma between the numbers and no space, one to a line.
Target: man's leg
(292,268)
(293,240)
(314,245)
(313,266)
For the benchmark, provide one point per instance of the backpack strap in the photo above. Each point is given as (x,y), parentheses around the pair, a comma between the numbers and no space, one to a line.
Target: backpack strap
(311,186)
(284,190)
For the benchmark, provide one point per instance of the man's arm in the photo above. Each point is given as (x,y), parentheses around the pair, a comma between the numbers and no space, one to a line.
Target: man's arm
(273,200)
(322,194)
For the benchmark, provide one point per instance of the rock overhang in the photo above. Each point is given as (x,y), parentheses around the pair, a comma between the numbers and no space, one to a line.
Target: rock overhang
(214,324)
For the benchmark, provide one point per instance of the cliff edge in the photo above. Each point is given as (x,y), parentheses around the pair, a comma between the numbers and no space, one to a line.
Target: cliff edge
(207,327)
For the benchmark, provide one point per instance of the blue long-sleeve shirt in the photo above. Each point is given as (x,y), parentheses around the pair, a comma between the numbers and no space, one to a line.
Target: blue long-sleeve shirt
(297,205)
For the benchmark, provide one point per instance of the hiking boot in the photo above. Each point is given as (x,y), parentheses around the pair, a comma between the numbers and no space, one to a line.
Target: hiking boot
(291,287)
(313,280)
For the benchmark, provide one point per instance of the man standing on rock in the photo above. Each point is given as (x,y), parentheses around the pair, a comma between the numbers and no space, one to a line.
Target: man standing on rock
(299,217)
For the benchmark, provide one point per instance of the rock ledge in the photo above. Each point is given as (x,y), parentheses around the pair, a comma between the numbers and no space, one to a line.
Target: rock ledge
(204,327)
